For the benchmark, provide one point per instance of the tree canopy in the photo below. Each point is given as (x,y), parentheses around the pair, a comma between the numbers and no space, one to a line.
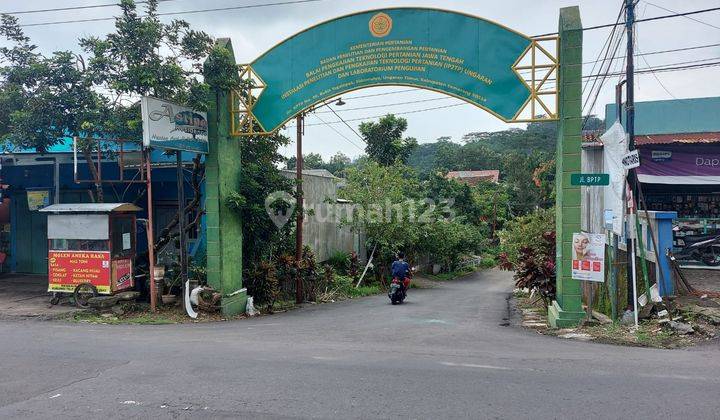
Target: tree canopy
(384,140)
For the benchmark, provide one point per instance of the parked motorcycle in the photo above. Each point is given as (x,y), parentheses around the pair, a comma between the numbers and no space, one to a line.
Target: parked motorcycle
(397,292)
(705,248)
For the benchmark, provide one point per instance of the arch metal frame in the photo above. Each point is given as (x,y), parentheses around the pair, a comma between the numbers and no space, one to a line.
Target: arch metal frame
(543,64)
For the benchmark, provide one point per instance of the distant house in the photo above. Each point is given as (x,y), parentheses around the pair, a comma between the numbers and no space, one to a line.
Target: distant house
(473,177)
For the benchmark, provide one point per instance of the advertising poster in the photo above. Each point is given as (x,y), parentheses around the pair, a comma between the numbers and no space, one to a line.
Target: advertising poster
(38,199)
(588,257)
(67,269)
(122,274)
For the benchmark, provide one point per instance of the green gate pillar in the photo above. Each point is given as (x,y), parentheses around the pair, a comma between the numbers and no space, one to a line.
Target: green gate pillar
(224,230)
(567,310)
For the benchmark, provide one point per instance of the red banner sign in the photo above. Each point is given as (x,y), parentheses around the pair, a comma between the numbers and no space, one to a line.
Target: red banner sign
(67,269)
(122,277)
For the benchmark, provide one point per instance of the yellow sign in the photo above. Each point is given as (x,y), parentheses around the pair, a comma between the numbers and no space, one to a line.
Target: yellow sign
(38,199)
(380,25)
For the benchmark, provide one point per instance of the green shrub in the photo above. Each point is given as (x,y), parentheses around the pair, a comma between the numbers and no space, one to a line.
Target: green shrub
(340,261)
(448,242)
(488,261)
(263,284)
(526,232)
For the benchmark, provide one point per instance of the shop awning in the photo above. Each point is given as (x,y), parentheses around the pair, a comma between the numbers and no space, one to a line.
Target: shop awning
(684,164)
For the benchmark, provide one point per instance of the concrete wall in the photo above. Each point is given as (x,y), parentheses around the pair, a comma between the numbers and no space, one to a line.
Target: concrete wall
(322,230)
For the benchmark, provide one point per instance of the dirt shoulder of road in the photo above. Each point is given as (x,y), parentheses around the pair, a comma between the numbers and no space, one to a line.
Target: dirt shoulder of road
(138,313)
(691,323)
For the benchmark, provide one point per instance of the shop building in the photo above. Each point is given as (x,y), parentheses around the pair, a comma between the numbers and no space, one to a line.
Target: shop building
(31,180)
(679,145)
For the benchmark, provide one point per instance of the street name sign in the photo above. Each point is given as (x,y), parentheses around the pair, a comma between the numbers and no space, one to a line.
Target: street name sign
(590,179)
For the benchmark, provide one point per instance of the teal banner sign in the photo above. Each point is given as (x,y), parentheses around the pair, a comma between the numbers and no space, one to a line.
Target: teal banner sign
(590,179)
(461,55)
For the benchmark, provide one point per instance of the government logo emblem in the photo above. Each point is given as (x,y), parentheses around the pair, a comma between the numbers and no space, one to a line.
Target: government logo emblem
(380,25)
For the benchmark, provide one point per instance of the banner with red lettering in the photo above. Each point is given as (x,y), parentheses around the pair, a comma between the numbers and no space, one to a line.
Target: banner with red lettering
(67,269)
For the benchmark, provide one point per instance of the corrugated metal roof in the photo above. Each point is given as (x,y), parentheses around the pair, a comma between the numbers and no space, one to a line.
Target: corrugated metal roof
(695,115)
(90,208)
(492,174)
(311,172)
(693,138)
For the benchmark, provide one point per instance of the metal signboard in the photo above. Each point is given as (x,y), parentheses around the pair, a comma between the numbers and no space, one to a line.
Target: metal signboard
(171,126)
(398,46)
(590,179)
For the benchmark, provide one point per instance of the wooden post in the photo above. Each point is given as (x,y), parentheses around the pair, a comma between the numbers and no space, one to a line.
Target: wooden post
(299,209)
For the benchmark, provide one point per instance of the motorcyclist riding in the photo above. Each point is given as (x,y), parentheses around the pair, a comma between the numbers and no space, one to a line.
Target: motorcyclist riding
(401,271)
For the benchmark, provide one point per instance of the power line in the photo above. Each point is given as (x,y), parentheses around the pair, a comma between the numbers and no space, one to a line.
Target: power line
(606,47)
(687,17)
(386,105)
(348,125)
(396,113)
(372,95)
(655,75)
(338,132)
(62,9)
(694,47)
(640,71)
(681,65)
(685,14)
(185,12)
(606,72)
(609,25)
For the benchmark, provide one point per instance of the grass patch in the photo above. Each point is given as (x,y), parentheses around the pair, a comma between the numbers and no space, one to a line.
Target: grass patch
(648,334)
(140,314)
(363,291)
(140,318)
(452,275)
(343,287)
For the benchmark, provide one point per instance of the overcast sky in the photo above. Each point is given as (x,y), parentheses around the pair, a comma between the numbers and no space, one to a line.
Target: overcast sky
(253,31)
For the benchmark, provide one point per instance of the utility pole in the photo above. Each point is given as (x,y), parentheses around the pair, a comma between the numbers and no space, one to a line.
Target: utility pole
(149,230)
(181,222)
(630,122)
(299,209)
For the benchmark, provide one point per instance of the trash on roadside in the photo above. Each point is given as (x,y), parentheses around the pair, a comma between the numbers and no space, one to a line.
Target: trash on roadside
(681,327)
(194,295)
(250,308)
(628,318)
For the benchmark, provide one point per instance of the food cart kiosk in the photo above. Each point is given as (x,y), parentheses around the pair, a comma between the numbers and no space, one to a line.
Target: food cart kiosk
(91,247)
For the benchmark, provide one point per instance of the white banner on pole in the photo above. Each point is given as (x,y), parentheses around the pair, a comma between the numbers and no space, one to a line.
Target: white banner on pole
(615,146)
(171,126)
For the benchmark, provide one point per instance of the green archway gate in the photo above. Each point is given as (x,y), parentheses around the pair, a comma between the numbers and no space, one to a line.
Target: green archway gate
(512,76)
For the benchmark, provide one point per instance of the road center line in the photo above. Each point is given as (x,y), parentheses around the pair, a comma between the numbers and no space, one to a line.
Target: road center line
(471,365)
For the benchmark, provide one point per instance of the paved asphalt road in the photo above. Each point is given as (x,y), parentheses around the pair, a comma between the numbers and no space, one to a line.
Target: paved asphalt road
(442,355)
